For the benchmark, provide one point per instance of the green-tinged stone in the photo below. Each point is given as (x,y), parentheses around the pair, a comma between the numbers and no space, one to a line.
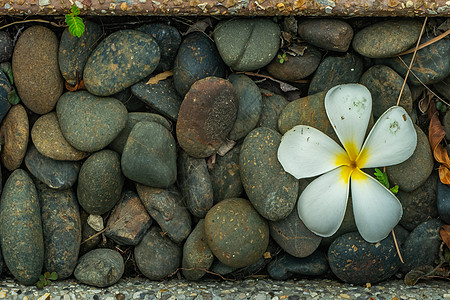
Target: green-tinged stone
(195,184)
(273,105)
(62,230)
(119,61)
(247,44)
(21,234)
(90,123)
(329,34)
(5,90)
(271,190)
(197,257)
(149,156)
(75,51)
(156,255)
(100,182)
(236,234)
(100,267)
(166,207)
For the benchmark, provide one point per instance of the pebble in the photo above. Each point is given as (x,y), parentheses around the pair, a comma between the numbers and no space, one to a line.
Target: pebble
(5,90)
(272,106)
(6,46)
(443,202)
(328,34)
(285,266)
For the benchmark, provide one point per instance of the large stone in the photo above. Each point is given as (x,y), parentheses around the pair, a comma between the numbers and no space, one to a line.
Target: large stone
(119,61)
(285,265)
(5,90)
(328,34)
(36,71)
(271,190)
(443,202)
(272,106)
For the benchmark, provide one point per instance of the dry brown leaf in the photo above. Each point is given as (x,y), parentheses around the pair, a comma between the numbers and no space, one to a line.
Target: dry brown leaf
(436,134)
(158,77)
(444,174)
(445,234)
(424,102)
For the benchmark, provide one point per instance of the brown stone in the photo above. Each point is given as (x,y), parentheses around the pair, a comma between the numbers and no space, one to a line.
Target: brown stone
(329,34)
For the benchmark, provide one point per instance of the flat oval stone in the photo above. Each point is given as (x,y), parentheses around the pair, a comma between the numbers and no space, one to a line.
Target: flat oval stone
(149,156)
(100,267)
(197,256)
(286,266)
(100,182)
(249,107)
(156,255)
(272,106)
(356,261)
(36,71)
(271,190)
(21,236)
(6,46)
(5,90)
(56,174)
(197,58)
(119,61)
(328,34)
(74,51)
(90,123)
(14,133)
(443,201)
(206,116)
(236,234)
(385,85)
(61,225)
(387,38)
(247,44)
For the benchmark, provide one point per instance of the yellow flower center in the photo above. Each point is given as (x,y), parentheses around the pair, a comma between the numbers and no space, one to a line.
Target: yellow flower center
(351,160)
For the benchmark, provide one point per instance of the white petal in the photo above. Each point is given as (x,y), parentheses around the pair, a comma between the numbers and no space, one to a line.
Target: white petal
(322,204)
(348,107)
(391,141)
(375,208)
(305,151)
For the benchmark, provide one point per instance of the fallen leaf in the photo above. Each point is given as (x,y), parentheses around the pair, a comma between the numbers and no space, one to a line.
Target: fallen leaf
(424,102)
(445,234)
(297,49)
(416,274)
(158,77)
(200,25)
(444,174)
(267,255)
(286,87)
(436,134)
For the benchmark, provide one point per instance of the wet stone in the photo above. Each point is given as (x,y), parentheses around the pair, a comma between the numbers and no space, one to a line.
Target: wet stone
(271,190)
(285,266)
(119,61)
(349,255)
(129,220)
(443,202)
(90,123)
(272,106)
(74,51)
(100,182)
(329,34)
(21,228)
(100,267)
(195,184)
(166,207)
(387,38)
(6,46)
(236,234)
(36,56)
(197,58)
(335,70)
(385,85)
(54,173)
(5,90)
(206,116)
(247,44)
(156,255)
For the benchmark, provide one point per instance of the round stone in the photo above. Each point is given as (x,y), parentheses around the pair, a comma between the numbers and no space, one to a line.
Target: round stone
(272,106)
(328,34)
(285,266)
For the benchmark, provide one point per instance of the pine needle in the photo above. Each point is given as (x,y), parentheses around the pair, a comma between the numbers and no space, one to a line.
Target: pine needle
(397,247)
(433,40)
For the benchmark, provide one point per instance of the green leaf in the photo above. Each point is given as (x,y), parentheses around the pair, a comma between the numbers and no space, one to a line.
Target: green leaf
(53,276)
(382,177)
(39,285)
(281,60)
(41,277)
(394,189)
(46,275)
(76,25)
(13,98)
(74,10)
(7,69)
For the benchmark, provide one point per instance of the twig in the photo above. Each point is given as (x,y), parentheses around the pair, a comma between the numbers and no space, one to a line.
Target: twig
(433,40)
(397,247)
(34,20)
(270,77)
(101,231)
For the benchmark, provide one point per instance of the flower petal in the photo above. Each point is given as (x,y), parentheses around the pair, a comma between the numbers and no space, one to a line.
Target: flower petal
(348,107)
(305,151)
(375,208)
(322,204)
(391,141)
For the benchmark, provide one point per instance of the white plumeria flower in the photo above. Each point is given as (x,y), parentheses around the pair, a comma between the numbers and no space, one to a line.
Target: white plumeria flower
(306,152)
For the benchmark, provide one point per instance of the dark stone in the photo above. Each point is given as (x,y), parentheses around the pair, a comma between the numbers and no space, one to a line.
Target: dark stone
(90,238)
(247,44)
(6,46)
(119,61)
(422,245)
(129,220)
(387,38)
(100,182)
(236,234)
(21,236)
(149,156)
(100,268)
(5,90)
(195,184)
(328,34)
(62,230)
(293,236)
(166,207)
(335,70)
(75,51)
(272,106)
(197,58)
(285,266)
(443,88)
(156,256)
(206,116)
(356,261)
(443,201)
(219,267)
(36,56)
(90,123)
(271,190)
(131,102)
(56,174)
